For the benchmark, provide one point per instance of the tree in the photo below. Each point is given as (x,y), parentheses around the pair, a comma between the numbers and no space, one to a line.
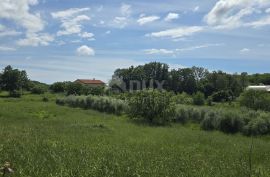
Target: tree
(14,80)
(58,87)
(74,88)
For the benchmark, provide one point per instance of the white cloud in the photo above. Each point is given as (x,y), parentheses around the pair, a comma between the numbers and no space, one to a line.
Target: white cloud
(18,11)
(233,14)
(123,20)
(267,10)
(4,48)
(120,22)
(69,13)
(198,47)
(244,50)
(9,33)
(171,16)
(85,51)
(196,9)
(175,51)
(126,9)
(87,35)
(158,51)
(108,32)
(33,39)
(177,32)
(148,19)
(71,20)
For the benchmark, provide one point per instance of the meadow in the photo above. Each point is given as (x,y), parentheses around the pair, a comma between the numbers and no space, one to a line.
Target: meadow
(44,139)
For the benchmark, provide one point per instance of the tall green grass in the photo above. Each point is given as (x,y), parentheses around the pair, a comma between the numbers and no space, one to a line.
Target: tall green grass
(42,139)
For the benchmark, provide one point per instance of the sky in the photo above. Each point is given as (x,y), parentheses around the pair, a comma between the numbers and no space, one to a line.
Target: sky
(65,40)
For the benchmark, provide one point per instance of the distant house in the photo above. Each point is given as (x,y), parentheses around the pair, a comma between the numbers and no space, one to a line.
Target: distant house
(259,87)
(92,83)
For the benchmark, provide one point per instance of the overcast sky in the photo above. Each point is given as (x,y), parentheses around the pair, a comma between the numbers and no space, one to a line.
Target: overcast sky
(57,40)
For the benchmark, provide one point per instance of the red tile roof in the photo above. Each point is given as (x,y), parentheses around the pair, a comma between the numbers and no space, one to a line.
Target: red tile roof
(87,81)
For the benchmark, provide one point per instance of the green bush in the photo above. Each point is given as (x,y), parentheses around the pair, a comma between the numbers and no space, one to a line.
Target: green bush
(258,100)
(258,126)
(38,90)
(99,103)
(183,98)
(222,96)
(211,121)
(153,106)
(231,122)
(198,99)
(58,87)
(74,88)
(16,94)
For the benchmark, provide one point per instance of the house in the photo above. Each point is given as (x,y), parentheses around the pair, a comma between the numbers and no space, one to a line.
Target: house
(259,88)
(92,82)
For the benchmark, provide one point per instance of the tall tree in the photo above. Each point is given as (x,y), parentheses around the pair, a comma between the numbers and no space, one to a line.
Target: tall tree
(14,79)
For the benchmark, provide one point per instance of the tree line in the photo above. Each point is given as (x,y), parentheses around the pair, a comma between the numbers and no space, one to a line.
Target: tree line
(218,85)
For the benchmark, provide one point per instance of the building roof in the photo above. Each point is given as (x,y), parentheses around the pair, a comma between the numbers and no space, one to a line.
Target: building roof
(89,81)
(259,87)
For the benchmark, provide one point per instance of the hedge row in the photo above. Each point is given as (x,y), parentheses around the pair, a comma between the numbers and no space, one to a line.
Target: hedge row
(243,120)
(99,103)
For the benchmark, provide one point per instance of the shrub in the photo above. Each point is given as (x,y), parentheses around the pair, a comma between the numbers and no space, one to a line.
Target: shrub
(38,90)
(58,87)
(45,99)
(211,121)
(258,100)
(183,98)
(99,103)
(74,88)
(258,126)
(222,96)
(16,94)
(198,98)
(153,106)
(231,122)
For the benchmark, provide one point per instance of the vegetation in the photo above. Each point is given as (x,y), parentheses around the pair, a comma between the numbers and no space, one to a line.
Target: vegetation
(224,86)
(258,100)
(14,81)
(153,106)
(103,104)
(43,139)
(228,120)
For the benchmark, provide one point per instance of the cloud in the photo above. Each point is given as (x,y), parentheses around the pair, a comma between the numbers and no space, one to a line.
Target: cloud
(87,35)
(126,9)
(233,14)
(198,47)
(33,39)
(123,20)
(177,32)
(175,51)
(4,48)
(120,22)
(158,51)
(85,51)
(71,20)
(9,33)
(196,9)
(18,11)
(267,10)
(244,50)
(108,32)
(171,16)
(148,19)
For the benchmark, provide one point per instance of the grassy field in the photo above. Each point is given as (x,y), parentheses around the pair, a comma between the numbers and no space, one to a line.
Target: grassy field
(42,139)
